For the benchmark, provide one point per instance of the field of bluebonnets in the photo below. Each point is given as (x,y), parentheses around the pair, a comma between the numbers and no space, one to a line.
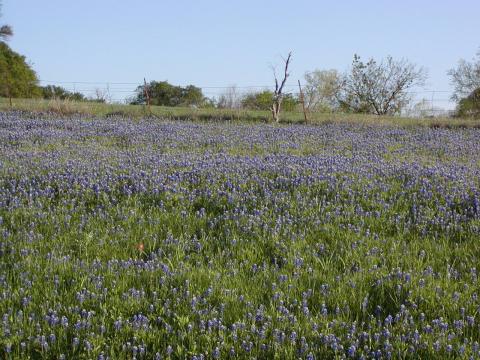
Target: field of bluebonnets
(153,239)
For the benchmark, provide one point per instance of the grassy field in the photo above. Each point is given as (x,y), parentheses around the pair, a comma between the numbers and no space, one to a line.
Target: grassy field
(68,108)
(161,239)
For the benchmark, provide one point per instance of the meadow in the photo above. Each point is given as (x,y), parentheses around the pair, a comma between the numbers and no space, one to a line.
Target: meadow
(70,108)
(158,239)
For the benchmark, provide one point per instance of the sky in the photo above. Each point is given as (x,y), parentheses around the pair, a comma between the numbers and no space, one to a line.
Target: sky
(117,43)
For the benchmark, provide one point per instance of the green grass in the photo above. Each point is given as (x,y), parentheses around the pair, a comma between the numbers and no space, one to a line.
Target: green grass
(67,107)
(316,231)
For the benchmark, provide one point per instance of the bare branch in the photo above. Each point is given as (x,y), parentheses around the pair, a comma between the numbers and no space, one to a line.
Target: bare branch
(286,74)
(381,88)
(278,93)
(465,77)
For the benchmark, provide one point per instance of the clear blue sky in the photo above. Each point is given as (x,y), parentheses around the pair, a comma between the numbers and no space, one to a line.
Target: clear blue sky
(222,42)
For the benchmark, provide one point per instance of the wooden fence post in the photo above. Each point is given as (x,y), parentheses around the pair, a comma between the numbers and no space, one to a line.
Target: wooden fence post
(147,95)
(302,100)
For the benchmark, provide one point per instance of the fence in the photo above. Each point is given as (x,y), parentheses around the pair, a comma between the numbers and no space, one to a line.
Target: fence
(425,102)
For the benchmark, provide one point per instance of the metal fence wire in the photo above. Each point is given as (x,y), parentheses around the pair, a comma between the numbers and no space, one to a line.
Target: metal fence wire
(425,102)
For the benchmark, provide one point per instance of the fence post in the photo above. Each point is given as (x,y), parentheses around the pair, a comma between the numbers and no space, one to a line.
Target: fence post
(147,95)
(302,100)
(433,99)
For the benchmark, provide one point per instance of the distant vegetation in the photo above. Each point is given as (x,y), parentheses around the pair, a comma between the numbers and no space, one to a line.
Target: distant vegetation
(371,87)
(263,101)
(163,93)
(466,79)
(470,106)
(57,92)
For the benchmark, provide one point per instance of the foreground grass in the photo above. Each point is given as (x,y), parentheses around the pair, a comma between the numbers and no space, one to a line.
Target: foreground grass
(158,239)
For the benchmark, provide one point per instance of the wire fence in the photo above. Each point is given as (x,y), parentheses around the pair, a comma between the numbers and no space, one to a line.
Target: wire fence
(425,102)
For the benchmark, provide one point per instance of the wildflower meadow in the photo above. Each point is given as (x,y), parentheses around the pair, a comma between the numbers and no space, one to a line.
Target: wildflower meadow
(158,239)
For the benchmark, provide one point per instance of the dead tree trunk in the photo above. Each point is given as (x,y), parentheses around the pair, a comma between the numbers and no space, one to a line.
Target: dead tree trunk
(278,94)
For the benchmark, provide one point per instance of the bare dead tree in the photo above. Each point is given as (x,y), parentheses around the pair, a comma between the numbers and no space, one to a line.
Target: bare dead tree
(102,95)
(278,93)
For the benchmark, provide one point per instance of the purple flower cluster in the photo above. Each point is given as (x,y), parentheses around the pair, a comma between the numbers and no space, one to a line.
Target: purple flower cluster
(158,239)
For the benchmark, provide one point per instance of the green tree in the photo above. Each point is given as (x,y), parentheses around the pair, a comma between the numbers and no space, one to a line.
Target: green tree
(58,92)
(322,90)
(470,106)
(263,101)
(5,32)
(17,79)
(164,94)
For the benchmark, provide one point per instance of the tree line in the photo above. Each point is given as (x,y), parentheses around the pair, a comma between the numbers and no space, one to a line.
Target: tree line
(372,87)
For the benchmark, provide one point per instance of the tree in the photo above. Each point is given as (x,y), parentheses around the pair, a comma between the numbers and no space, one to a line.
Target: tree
(101,96)
(229,99)
(465,78)
(278,92)
(191,96)
(380,88)
(58,92)
(425,108)
(263,101)
(322,90)
(164,94)
(5,30)
(17,79)
(470,105)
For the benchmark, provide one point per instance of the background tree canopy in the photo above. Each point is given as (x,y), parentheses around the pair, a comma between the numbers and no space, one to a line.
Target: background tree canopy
(58,92)
(17,79)
(263,101)
(466,79)
(380,88)
(470,106)
(164,94)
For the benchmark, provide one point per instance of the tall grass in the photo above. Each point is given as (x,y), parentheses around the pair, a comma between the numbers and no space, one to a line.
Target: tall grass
(68,107)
